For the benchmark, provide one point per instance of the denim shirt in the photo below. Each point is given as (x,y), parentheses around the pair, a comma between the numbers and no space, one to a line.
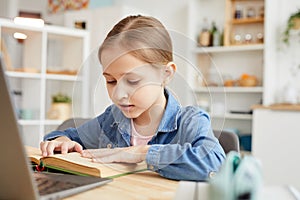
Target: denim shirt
(183,148)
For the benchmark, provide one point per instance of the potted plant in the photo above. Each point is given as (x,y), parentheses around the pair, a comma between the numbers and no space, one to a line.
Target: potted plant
(293,23)
(60,107)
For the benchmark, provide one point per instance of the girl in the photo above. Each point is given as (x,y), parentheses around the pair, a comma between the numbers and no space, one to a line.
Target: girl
(145,122)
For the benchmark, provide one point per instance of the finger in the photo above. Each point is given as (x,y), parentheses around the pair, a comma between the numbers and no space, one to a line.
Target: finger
(78,147)
(64,147)
(43,147)
(86,154)
(52,145)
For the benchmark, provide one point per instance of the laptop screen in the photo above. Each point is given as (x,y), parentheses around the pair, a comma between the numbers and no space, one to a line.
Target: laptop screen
(15,181)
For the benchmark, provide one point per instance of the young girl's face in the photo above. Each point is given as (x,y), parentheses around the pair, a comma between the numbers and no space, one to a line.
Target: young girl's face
(133,85)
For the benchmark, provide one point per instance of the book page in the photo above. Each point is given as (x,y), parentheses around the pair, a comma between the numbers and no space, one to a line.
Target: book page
(86,166)
(34,154)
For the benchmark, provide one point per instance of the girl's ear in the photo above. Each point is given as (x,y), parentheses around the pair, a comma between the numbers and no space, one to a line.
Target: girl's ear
(169,72)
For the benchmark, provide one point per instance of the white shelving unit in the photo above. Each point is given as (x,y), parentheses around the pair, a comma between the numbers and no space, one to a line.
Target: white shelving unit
(224,103)
(30,64)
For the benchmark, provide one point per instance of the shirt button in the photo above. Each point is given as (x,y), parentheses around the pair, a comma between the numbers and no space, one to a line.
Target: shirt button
(108,146)
(211,174)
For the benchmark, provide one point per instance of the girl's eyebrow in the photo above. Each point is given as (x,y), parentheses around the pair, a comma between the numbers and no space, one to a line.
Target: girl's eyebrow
(123,74)
(105,74)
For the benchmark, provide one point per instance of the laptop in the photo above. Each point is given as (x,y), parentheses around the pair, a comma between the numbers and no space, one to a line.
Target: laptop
(17,180)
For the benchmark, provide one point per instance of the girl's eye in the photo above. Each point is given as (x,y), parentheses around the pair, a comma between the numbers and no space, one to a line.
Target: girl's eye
(111,82)
(133,82)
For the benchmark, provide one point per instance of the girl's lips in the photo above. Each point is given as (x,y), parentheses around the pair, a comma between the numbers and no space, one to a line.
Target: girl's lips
(126,108)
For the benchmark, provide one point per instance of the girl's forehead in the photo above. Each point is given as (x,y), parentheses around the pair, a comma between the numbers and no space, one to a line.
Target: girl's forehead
(123,64)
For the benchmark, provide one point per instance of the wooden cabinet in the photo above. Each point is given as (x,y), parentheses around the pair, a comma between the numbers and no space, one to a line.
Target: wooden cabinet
(49,61)
(229,107)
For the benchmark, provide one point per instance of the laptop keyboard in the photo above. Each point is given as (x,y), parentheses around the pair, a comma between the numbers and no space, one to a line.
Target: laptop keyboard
(48,185)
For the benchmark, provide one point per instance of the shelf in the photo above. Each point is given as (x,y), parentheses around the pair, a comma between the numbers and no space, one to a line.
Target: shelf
(247,21)
(233,116)
(63,77)
(245,0)
(283,107)
(39,122)
(52,122)
(224,49)
(29,122)
(23,75)
(230,89)
(7,23)
(48,76)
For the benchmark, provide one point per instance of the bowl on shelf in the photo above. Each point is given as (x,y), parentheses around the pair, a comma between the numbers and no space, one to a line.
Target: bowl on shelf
(229,83)
(247,81)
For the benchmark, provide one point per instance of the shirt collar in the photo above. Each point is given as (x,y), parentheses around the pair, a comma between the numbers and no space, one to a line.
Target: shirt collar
(168,122)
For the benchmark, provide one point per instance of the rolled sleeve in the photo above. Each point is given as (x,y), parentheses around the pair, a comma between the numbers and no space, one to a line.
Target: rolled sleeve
(153,157)
(54,134)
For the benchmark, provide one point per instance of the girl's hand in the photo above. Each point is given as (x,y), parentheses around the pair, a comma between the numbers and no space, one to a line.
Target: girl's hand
(133,154)
(62,144)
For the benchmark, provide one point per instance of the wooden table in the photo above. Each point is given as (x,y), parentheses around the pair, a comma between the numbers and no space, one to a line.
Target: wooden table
(143,185)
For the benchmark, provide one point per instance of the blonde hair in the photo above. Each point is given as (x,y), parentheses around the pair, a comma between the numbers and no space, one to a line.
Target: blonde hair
(143,37)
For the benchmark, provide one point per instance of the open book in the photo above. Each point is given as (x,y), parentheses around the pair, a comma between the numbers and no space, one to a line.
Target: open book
(75,164)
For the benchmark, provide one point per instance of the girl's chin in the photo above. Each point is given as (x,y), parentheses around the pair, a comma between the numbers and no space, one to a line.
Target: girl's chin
(128,112)
(130,115)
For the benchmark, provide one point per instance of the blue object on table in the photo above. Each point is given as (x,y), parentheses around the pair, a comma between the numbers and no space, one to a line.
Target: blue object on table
(246,142)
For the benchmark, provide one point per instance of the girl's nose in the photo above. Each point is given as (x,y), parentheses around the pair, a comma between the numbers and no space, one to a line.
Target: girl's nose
(120,91)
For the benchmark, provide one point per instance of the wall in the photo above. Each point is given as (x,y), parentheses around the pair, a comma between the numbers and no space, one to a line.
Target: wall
(279,59)
(171,12)
(8,8)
